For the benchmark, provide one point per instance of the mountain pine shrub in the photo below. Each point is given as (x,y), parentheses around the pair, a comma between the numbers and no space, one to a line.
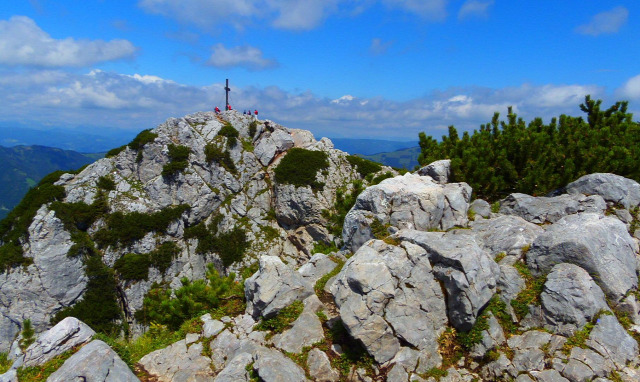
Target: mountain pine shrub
(178,160)
(364,167)
(300,168)
(231,133)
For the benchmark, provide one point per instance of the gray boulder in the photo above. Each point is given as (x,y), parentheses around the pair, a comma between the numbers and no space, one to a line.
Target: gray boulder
(66,335)
(481,207)
(317,266)
(510,283)
(306,330)
(508,234)
(610,339)
(94,362)
(439,170)
(410,201)
(599,244)
(9,376)
(491,338)
(388,295)
(273,287)
(273,366)
(236,370)
(613,188)
(550,209)
(468,273)
(320,368)
(181,361)
(570,299)
(272,143)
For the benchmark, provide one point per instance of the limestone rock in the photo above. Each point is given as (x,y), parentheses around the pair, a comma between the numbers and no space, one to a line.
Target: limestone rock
(320,368)
(510,283)
(481,207)
(178,362)
(273,287)
(317,266)
(66,335)
(570,299)
(439,170)
(508,234)
(271,144)
(211,327)
(610,339)
(410,201)
(491,338)
(273,366)
(600,245)
(469,274)
(550,209)
(9,376)
(388,294)
(94,362)
(236,370)
(305,331)
(613,188)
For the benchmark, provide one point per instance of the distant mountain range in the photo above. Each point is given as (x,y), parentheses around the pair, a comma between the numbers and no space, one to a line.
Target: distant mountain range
(405,158)
(24,166)
(370,146)
(86,140)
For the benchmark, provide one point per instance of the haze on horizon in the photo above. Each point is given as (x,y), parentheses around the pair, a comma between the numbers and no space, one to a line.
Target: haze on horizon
(384,69)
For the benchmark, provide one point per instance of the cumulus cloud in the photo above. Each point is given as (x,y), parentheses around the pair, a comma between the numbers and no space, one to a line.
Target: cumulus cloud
(607,22)
(105,99)
(474,8)
(379,47)
(244,56)
(281,14)
(22,42)
(630,89)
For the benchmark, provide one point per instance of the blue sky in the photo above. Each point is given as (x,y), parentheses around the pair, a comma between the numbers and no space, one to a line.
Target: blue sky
(340,68)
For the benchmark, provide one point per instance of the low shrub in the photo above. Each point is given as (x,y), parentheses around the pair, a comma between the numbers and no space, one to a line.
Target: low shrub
(42,372)
(230,133)
(222,157)
(106,183)
(133,266)
(144,137)
(300,168)
(231,246)
(282,320)
(178,160)
(28,335)
(530,295)
(162,257)
(253,126)
(113,152)
(364,166)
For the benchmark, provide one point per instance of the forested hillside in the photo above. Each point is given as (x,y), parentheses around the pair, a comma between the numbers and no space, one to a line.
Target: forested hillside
(536,158)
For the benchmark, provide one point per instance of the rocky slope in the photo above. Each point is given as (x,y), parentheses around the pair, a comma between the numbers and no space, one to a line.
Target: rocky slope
(428,286)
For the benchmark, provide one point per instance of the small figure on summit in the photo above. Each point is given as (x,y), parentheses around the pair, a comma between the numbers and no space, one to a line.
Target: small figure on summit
(217,110)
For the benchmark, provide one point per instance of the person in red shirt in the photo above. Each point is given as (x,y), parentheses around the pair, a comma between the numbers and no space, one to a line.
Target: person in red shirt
(217,110)
(255,112)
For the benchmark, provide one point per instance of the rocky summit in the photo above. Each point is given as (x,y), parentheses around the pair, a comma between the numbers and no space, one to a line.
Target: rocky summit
(218,247)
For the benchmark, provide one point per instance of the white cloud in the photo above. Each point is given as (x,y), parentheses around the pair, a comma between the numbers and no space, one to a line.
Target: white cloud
(428,9)
(301,15)
(22,42)
(142,101)
(474,8)
(630,89)
(245,56)
(607,22)
(379,47)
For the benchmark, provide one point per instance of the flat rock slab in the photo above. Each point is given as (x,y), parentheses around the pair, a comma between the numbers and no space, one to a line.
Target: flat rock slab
(610,339)
(599,244)
(550,209)
(66,335)
(507,233)
(178,362)
(94,362)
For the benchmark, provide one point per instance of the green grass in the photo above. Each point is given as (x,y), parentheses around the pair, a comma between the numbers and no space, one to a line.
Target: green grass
(281,321)
(322,282)
(300,167)
(5,363)
(530,295)
(42,372)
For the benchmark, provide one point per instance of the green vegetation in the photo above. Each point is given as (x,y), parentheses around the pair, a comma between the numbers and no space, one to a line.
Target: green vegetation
(178,160)
(133,266)
(144,137)
(300,168)
(230,246)
(506,157)
(14,228)
(27,335)
(106,183)
(399,159)
(530,295)
(380,178)
(322,282)
(281,321)
(354,353)
(222,158)
(344,202)
(252,128)
(580,337)
(162,257)
(231,133)
(123,229)
(364,167)
(42,372)
(217,295)
(5,363)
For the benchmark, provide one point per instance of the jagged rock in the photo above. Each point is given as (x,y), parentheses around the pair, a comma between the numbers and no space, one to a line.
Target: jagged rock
(236,369)
(180,361)
(481,207)
(498,369)
(508,234)
(273,366)
(610,339)
(94,362)
(273,287)
(409,201)
(586,364)
(38,291)
(388,294)
(613,188)
(271,144)
(546,376)
(306,330)
(491,338)
(9,376)
(570,299)
(469,274)
(524,378)
(66,335)
(317,266)
(533,339)
(550,209)
(211,327)
(320,368)
(439,170)
(397,374)
(528,359)
(600,245)
(510,283)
